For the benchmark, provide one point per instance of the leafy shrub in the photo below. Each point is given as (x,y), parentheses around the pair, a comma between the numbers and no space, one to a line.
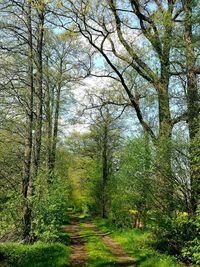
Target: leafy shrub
(178,236)
(191,251)
(64,238)
(37,255)
(49,209)
(171,234)
(10,216)
(133,181)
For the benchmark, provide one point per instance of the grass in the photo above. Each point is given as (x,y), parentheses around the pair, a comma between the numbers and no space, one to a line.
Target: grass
(99,255)
(137,244)
(36,255)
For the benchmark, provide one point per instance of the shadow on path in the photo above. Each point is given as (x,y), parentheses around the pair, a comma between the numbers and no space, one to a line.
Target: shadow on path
(122,259)
(79,256)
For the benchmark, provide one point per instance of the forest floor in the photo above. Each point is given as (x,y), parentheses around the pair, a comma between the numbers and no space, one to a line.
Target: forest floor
(93,243)
(91,247)
(96,244)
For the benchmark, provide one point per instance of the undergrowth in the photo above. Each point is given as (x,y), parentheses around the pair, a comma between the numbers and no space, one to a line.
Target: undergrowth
(36,255)
(137,243)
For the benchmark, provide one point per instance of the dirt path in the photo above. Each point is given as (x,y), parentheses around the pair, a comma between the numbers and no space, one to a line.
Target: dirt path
(78,255)
(122,258)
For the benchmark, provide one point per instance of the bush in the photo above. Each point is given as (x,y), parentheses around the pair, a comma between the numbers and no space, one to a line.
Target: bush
(49,208)
(64,238)
(10,216)
(171,234)
(178,236)
(133,181)
(191,251)
(37,255)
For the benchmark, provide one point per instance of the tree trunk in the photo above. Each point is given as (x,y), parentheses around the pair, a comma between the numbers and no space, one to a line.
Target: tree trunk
(49,122)
(164,145)
(39,93)
(56,118)
(36,142)
(28,137)
(104,170)
(55,129)
(193,105)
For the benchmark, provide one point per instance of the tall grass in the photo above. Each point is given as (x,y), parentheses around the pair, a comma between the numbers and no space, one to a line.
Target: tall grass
(36,255)
(137,243)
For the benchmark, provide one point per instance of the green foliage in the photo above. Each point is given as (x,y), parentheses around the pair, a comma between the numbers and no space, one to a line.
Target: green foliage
(133,181)
(95,187)
(49,208)
(79,172)
(93,162)
(171,234)
(10,182)
(10,215)
(63,238)
(37,255)
(191,250)
(63,160)
(137,243)
(179,235)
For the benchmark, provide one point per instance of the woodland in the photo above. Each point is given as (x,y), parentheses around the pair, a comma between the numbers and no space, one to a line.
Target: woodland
(99,133)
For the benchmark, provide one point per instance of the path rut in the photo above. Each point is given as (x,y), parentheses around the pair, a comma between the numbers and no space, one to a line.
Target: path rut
(122,258)
(79,256)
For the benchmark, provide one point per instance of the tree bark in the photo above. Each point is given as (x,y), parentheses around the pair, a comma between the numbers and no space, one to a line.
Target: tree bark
(104,169)
(193,105)
(29,131)
(49,122)
(39,93)
(35,148)
(164,146)
(56,115)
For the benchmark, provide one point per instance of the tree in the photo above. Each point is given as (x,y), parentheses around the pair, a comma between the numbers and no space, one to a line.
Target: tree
(192,95)
(29,136)
(105,133)
(96,153)
(23,83)
(119,37)
(136,182)
(112,31)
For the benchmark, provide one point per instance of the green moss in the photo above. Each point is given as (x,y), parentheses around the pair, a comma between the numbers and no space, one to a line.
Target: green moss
(36,255)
